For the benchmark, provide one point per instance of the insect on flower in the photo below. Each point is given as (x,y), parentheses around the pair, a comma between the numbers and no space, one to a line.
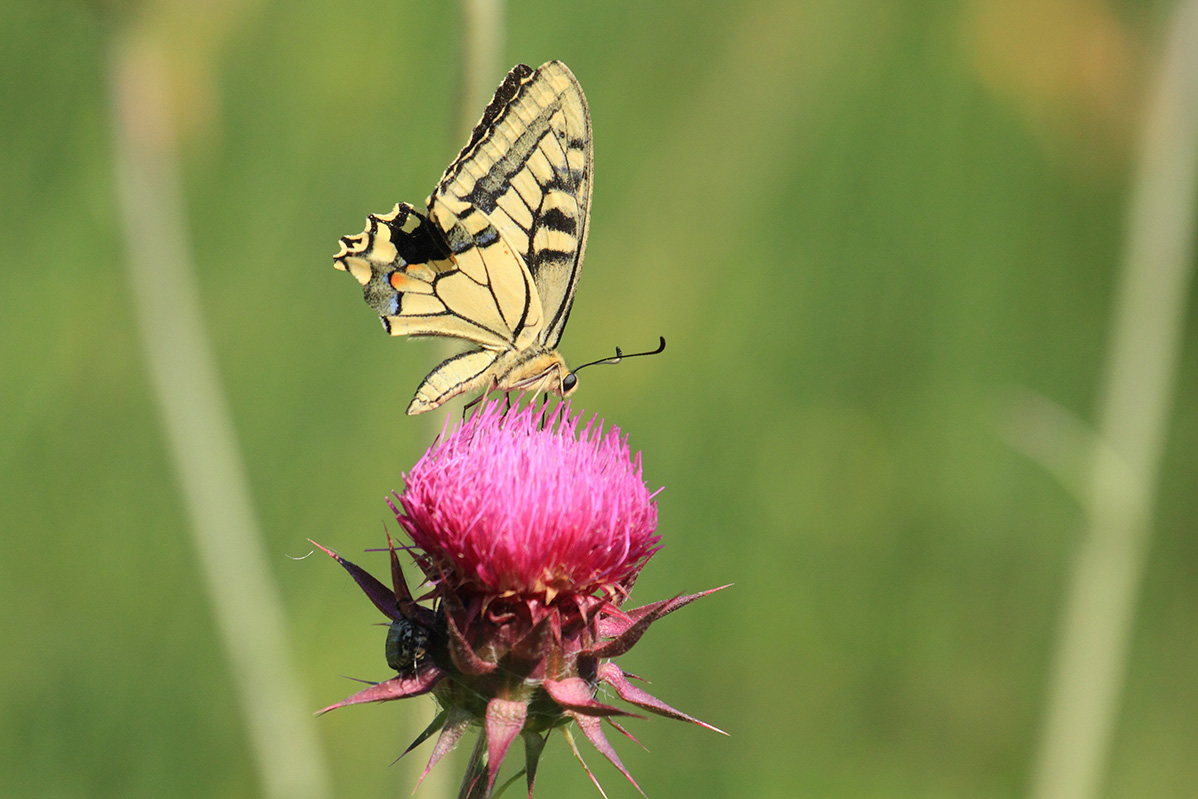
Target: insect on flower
(531,533)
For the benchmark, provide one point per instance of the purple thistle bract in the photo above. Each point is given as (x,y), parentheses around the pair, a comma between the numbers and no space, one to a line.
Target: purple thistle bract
(530,531)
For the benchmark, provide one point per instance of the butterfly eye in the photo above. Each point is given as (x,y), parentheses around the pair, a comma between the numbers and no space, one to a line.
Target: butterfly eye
(569,382)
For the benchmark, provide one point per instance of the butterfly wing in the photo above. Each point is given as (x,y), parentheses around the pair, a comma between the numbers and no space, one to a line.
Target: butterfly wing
(497,259)
(524,181)
(463,373)
(410,280)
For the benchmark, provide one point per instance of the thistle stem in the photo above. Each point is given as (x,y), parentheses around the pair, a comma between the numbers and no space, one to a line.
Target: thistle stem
(474,783)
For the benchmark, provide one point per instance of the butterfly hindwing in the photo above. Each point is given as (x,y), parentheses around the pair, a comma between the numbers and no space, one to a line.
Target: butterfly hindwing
(409,278)
(463,373)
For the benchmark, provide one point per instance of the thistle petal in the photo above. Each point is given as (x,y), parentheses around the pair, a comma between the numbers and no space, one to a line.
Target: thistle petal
(574,693)
(611,674)
(394,688)
(436,724)
(504,720)
(453,730)
(578,756)
(631,625)
(682,601)
(529,651)
(623,641)
(626,733)
(534,744)
(403,596)
(382,596)
(463,655)
(592,728)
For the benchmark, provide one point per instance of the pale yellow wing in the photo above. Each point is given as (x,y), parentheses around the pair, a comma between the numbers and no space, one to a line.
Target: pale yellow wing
(522,185)
(462,374)
(496,261)
(415,286)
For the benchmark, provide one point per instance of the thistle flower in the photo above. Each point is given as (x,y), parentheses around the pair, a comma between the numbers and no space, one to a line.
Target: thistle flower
(530,532)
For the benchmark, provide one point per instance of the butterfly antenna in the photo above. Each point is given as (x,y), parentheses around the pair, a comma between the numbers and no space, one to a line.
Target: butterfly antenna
(619,356)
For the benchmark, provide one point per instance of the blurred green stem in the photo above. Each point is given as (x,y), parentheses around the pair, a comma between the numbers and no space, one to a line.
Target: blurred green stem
(481,59)
(182,369)
(1092,653)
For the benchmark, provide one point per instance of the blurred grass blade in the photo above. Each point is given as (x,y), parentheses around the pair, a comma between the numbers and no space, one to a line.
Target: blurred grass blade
(480,69)
(199,432)
(481,61)
(1091,657)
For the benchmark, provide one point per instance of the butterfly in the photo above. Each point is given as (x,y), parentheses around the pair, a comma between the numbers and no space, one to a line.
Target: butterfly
(496,258)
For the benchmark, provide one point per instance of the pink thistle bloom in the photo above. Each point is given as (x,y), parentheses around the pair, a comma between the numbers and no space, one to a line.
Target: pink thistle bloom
(510,508)
(531,531)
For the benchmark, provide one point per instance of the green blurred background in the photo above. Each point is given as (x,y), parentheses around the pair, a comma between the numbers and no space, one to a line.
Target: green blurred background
(863,227)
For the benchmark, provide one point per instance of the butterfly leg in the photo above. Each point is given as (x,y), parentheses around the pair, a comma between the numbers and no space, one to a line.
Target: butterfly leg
(544,410)
(474,402)
(491,386)
(542,386)
(471,404)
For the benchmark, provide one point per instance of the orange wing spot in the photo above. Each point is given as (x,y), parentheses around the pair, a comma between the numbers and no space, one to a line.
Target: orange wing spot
(404,283)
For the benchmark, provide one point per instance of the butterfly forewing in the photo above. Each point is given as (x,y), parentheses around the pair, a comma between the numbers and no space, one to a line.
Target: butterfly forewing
(527,170)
